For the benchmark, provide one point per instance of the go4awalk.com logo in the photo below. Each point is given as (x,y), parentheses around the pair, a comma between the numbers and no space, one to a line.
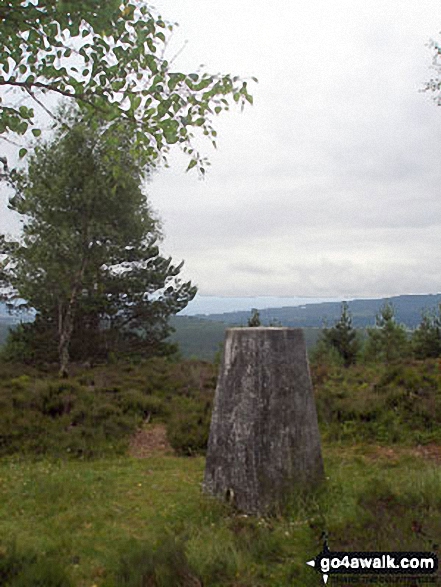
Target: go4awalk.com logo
(375,564)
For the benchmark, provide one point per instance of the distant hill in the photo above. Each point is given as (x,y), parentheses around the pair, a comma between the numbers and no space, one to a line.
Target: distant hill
(196,337)
(203,338)
(203,335)
(408,312)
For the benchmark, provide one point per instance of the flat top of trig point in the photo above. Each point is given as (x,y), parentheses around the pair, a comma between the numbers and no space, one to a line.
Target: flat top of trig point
(263,328)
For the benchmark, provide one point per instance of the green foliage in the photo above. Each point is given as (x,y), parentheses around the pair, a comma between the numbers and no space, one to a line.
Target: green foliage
(88,261)
(189,425)
(109,57)
(217,359)
(97,410)
(20,568)
(52,417)
(254,319)
(343,337)
(426,339)
(324,358)
(388,340)
(5,327)
(381,403)
(30,343)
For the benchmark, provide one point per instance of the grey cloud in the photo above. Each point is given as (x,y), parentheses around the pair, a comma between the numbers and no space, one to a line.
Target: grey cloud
(330,184)
(253,269)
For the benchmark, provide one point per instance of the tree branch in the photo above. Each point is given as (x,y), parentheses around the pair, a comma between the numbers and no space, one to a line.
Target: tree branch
(11,142)
(40,103)
(45,86)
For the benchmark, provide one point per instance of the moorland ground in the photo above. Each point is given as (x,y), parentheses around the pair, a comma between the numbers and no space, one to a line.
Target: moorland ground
(100,477)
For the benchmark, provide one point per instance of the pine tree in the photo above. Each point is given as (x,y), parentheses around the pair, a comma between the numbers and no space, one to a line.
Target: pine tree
(254,319)
(387,341)
(426,339)
(343,337)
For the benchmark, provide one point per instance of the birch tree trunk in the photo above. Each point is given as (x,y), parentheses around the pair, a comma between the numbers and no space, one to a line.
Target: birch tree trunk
(66,321)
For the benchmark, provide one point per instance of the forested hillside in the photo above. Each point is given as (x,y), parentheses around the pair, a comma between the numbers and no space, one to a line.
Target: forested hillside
(202,336)
(408,310)
(202,339)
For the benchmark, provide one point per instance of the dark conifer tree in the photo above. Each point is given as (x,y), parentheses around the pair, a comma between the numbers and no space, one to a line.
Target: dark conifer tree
(343,337)
(426,340)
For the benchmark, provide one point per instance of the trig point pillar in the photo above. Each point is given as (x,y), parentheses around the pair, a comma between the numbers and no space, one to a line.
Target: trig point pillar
(264,438)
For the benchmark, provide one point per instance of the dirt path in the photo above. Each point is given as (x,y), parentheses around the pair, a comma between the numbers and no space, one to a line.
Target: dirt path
(151,440)
(428,452)
(374,452)
(431,452)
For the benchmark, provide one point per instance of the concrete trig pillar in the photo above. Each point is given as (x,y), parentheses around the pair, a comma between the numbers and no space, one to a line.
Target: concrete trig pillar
(264,438)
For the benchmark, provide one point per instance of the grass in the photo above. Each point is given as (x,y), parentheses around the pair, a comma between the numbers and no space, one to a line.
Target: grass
(108,520)
(93,517)
(83,513)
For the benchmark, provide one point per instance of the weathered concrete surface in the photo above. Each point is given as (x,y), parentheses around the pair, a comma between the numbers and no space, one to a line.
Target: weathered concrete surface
(264,439)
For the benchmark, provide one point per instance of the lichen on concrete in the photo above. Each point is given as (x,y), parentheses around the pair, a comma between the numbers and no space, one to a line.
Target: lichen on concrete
(264,440)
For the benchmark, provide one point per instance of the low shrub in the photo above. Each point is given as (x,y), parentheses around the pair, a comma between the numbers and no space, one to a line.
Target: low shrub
(64,418)
(386,404)
(25,569)
(96,411)
(188,426)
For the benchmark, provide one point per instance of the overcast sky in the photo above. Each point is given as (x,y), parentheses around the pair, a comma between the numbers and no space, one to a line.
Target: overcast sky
(329,186)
